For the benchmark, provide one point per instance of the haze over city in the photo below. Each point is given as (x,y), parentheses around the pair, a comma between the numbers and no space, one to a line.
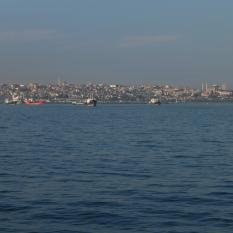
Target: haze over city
(116,116)
(125,41)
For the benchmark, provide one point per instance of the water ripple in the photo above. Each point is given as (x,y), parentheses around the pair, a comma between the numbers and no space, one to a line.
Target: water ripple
(113,169)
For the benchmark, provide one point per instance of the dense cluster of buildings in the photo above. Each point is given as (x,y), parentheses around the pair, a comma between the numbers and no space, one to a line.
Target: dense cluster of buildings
(64,92)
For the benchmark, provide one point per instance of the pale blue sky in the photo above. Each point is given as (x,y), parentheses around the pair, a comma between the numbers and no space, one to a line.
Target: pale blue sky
(181,42)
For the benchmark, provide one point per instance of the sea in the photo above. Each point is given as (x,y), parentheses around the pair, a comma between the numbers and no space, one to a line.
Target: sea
(116,168)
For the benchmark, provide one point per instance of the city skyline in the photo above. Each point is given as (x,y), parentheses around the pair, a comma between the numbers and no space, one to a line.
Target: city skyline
(64,92)
(201,86)
(182,43)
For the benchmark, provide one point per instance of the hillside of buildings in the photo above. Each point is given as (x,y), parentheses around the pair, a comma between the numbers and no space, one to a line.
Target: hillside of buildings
(64,92)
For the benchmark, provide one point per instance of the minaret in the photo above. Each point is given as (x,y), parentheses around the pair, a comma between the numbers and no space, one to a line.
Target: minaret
(224,86)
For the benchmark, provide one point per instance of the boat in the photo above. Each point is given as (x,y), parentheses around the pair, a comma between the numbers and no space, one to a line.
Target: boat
(155,101)
(91,102)
(34,102)
(14,100)
(76,103)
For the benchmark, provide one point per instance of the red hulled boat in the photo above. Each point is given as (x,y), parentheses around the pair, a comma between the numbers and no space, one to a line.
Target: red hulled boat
(34,102)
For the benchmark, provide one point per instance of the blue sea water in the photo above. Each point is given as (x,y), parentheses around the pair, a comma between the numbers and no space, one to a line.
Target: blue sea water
(116,168)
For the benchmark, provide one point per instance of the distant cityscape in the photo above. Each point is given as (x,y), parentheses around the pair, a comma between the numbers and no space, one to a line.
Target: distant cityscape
(64,92)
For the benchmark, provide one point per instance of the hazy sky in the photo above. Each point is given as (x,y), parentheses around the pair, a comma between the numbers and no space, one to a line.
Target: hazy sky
(182,42)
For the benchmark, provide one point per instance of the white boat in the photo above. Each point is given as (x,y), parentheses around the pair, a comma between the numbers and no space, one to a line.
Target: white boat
(13,100)
(91,102)
(155,101)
